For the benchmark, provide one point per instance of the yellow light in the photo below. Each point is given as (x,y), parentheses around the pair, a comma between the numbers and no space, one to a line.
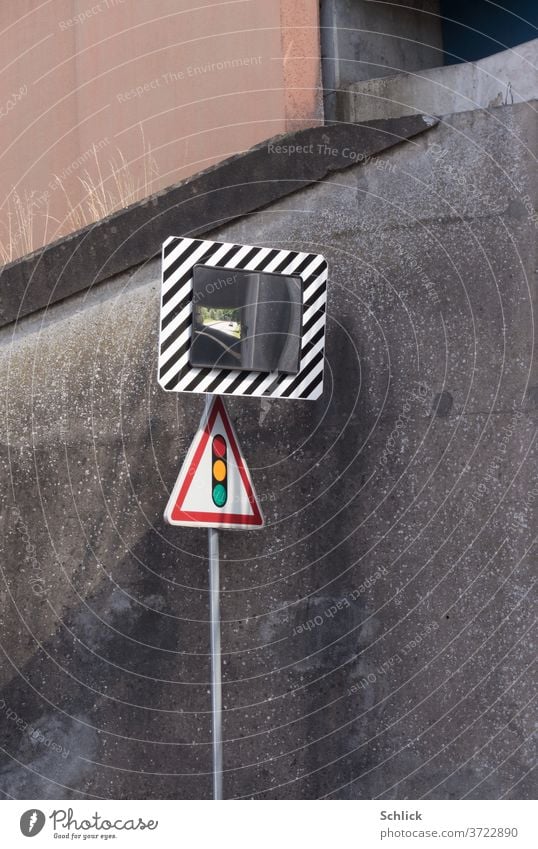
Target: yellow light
(219,470)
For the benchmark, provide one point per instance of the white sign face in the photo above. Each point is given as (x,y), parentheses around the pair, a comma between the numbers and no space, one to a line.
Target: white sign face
(229,311)
(214,488)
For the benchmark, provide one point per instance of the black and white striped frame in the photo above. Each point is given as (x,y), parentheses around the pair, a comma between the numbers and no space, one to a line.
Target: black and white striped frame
(176,374)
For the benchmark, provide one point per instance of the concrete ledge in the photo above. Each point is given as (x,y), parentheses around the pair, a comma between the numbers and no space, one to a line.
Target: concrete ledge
(223,193)
(508,77)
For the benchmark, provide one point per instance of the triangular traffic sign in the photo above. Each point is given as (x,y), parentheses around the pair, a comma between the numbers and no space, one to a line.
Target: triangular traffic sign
(214,488)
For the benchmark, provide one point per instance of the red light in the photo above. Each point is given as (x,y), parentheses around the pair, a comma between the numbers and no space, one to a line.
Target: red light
(219,446)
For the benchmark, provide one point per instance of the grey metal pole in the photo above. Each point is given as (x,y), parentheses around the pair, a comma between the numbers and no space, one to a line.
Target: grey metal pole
(216,687)
(216,683)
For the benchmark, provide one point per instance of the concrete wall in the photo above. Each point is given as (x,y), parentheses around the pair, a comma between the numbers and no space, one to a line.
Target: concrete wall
(160,90)
(376,633)
(507,77)
(362,40)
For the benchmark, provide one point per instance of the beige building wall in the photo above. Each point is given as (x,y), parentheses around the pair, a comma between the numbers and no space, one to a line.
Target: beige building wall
(102,103)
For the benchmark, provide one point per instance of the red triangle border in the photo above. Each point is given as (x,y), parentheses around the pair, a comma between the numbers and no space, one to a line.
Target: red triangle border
(179,515)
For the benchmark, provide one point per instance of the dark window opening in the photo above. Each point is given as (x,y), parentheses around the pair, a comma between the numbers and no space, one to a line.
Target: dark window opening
(474,30)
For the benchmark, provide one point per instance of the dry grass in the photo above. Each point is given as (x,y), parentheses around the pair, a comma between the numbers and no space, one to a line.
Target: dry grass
(27,227)
(19,228)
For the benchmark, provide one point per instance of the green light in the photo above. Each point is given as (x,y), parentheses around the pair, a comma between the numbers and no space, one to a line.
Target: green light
(219,495)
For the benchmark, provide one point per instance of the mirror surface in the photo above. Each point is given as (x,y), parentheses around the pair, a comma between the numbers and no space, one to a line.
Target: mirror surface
(246,320)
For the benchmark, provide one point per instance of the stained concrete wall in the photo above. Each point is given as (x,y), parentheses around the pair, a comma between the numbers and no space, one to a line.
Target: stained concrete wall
(510,76)
(376,633)
(363,40)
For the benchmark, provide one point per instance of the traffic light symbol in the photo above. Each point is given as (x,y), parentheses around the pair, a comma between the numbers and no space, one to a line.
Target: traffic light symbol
(219,469)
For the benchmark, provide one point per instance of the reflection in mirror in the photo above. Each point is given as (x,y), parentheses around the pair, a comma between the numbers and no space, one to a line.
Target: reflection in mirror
(217,336)
(246,320)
